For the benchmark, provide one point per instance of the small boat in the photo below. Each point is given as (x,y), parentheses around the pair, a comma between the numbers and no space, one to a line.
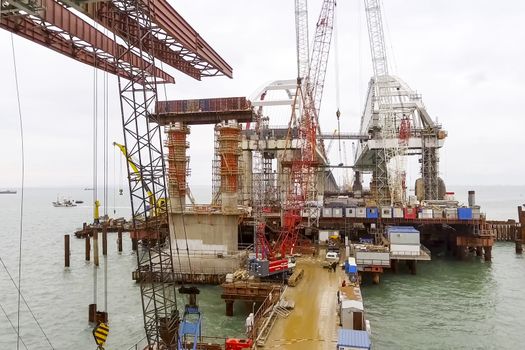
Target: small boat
(88,189)
(7,192)
(64,203)
(78,202)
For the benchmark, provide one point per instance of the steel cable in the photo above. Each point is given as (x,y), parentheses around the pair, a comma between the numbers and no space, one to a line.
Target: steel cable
(12,325)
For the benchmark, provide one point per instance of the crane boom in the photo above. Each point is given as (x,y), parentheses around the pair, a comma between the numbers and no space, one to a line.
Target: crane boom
(303,165)
(388,182)
(302,38)
(376,37)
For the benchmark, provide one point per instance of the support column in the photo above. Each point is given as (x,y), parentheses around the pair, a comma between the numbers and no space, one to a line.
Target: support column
(229,307)
(66,251)
(177,165)
(88,247)
(479,251)
(229,151)
(520,234)
(119,240)
(462,252)
(375,277)
(134,244)
(104,241)
(394,265)
(413,267)
(488,253)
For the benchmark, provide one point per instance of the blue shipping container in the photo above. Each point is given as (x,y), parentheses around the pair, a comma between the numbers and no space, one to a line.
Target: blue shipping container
(351,268)
(372,213)
(401,229)
(353,339)
(465,213)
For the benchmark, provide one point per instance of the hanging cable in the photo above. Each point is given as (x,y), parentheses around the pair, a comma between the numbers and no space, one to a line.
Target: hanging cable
(20,236)
(19,286)
(95,170)
(12,326)
(106,179)
(114,183)
(25,302)
(337,86)
(360,55)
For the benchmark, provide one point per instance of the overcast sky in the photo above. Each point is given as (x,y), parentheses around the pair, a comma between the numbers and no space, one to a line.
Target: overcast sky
(465,58)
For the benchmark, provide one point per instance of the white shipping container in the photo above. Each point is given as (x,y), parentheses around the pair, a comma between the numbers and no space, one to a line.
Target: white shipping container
(337,212)
(404,249)
(425,214)
(386,212)
(350,212)
(437,213)
(398,213)
(476,212)
(404,238)
(372,258)
(451,213)
(347,311)
(327,212)
(360,212)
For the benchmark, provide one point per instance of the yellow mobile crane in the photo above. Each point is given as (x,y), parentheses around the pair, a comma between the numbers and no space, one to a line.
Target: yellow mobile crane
(161,202)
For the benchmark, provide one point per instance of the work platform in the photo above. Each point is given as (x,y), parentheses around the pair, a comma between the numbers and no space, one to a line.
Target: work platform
(424,255)
(313,324)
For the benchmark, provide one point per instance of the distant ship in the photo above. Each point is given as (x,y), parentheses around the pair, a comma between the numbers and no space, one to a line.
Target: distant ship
(64,203)
(7,192)
(88,188)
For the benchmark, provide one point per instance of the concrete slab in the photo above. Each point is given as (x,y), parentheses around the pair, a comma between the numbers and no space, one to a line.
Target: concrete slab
(313,323)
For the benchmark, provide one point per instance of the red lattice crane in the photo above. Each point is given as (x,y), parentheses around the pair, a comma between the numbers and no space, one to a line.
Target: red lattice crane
(305,162)
(272,258)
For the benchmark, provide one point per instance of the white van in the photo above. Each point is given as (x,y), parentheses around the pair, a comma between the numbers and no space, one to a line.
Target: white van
(332,256)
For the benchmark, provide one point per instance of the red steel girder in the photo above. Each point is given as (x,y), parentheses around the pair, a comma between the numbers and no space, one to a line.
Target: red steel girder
(172,41)
(65,32)
(165,16)
(109,16)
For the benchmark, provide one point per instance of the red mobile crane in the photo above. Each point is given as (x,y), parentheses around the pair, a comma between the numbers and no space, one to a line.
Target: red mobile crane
(272,259)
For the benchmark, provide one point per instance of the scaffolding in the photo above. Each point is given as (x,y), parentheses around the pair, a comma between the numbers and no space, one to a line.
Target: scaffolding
(429,164)
(216,169)
(178,162)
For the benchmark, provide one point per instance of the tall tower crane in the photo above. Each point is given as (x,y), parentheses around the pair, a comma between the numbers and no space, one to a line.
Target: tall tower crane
(388,182)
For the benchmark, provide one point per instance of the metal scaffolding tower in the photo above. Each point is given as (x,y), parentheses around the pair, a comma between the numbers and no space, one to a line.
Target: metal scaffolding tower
(388,184)
(216,169)
(429,164)
(143,141)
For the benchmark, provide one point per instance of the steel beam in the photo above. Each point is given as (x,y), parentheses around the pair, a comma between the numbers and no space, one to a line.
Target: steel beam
(171,40)
(63,31)
(165,16)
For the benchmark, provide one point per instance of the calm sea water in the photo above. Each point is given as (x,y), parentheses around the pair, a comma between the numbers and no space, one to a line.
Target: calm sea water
(59,297)
(448,305)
